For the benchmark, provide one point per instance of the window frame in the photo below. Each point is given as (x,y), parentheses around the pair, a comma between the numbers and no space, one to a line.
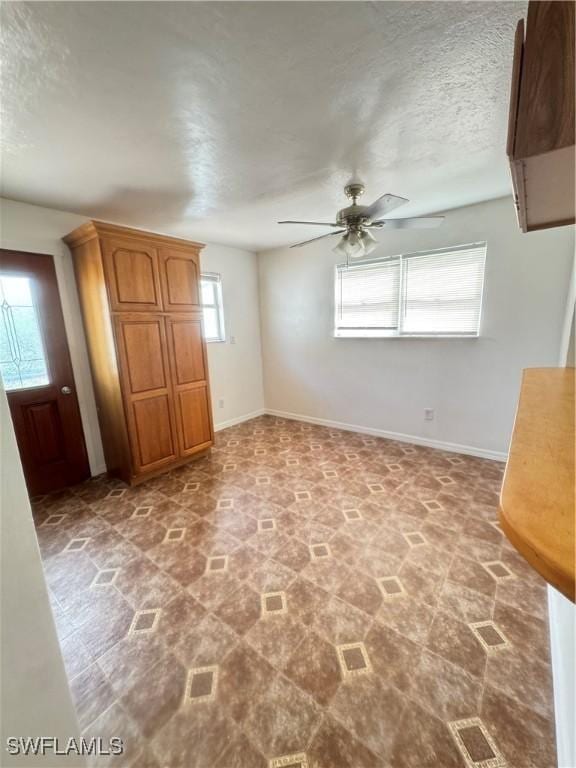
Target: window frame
(397,333)
(216,279)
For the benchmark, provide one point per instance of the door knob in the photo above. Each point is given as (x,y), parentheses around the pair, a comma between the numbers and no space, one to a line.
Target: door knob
(66,391)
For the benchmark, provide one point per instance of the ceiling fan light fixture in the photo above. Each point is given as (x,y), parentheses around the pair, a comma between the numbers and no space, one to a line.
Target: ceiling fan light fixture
(343,247)
(340,247)
(354,238)
(368,241)
(355,220)
(350,245)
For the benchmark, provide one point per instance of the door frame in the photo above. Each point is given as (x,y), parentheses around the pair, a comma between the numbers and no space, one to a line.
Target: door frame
(58,360)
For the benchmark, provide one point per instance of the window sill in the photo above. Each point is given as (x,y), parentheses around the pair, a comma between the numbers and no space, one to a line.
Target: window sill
(431,336)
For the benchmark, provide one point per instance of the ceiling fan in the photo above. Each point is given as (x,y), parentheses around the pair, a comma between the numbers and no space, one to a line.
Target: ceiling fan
(356,221)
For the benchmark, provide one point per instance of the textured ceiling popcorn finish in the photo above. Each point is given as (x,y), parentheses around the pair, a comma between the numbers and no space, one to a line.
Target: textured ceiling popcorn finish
(214,120)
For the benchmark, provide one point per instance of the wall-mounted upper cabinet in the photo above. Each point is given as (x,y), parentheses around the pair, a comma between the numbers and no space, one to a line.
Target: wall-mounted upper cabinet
(541,127)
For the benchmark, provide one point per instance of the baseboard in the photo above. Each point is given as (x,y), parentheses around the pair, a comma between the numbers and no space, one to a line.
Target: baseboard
(469,450)
(238,420)
(400,437)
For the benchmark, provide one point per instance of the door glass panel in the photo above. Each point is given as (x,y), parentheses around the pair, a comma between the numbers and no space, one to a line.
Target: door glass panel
(22,355)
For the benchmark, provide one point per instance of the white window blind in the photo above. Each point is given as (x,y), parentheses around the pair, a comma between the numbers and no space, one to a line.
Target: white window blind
(212,306)
(437,293)
(368,296)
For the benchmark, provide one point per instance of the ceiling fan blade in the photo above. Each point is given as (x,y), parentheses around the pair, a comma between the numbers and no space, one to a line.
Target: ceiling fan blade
(315,223)
(330,234)
(384,205)
(419,222)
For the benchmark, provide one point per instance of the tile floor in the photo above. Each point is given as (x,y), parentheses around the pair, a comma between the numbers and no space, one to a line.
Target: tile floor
(302,597)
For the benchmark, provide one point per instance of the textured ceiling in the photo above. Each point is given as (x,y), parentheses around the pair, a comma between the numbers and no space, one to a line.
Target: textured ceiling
(213,120)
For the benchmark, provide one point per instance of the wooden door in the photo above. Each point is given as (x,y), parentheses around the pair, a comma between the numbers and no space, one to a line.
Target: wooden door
(189,367)
(37,374)
(180,278)
(132,275)
(146,385)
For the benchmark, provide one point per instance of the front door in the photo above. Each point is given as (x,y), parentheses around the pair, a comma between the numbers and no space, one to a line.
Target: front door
(37,374)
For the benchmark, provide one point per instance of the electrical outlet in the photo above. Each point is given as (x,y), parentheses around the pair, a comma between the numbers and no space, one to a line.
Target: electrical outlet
(428,414)
(232,339)
(221,403)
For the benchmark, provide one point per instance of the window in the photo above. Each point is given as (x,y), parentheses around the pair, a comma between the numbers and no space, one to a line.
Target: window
(434,293)
(211,293)
(22,357)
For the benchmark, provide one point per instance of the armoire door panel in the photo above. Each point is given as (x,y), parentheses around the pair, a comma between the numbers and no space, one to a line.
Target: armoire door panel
(143,353)
(154,431)
(194,418)
(180,278)
(187,351)
(133,277)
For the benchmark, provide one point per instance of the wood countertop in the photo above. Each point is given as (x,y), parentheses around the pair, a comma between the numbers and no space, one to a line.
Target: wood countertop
(537,508)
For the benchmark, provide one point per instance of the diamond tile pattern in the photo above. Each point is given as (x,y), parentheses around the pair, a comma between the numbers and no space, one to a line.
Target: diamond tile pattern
(376,557)
(203,682)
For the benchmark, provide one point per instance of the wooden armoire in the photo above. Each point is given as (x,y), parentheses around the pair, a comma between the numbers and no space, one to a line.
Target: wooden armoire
(140,297)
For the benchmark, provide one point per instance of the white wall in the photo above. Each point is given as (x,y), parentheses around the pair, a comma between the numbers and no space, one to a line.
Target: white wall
(235,369)
(236,364)
(385,384)
(567,343)
(561,611)
(562,621)
(36,699)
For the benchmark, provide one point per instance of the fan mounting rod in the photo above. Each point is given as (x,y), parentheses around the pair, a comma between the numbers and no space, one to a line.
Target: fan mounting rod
(354,191)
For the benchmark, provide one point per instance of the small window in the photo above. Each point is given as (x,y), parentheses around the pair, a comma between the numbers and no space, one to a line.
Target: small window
(213,308)
(433,293)
(22,356)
